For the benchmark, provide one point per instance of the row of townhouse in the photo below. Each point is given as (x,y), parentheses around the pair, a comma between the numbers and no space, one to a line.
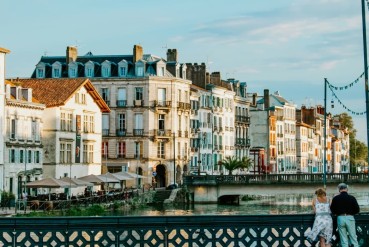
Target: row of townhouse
(164,119)
(169,118)
(290,140)
(50,128)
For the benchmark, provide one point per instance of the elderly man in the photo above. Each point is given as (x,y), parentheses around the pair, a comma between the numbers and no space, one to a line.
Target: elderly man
(345,207)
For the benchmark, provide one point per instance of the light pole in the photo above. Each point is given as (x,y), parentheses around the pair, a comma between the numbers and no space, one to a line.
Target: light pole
(365,71)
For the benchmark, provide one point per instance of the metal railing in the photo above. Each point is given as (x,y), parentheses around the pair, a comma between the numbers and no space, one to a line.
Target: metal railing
(300,178)
(164,231)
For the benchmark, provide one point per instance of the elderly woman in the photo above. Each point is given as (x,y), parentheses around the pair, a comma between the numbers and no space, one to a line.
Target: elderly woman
(323,224)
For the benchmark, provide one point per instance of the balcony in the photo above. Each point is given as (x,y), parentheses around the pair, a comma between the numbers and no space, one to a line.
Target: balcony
(121,132)
(138,103)
(161,156)
(179,133)
(242,119)
(243,142)
(186,133)
(121,156)
(138,132)
(105,132)
(161,105)
(183,106)
(121,103)
(160,134)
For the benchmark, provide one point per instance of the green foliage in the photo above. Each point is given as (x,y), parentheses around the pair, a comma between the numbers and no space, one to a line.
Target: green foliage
(358,149)
(94,210)
(232,163)
(247,198)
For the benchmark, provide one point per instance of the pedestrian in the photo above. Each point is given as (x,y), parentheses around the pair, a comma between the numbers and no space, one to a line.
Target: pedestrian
(323,224)
(345,207)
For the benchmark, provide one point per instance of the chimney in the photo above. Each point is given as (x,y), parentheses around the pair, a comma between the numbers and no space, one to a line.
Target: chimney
(172,55)
(266,99)
(72,54)
(254,96)
(215,78)
(137,53)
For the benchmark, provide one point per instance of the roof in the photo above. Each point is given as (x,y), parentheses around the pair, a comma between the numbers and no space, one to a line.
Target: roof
(55,92)
(97,60)
(3,50)
(15,84)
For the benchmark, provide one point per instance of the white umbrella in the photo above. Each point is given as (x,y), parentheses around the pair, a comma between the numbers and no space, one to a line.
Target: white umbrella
(77,182)
(130,174)
(95,179)
(48,183)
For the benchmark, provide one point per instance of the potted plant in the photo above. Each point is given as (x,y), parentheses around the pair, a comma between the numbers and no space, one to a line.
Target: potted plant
(7,199)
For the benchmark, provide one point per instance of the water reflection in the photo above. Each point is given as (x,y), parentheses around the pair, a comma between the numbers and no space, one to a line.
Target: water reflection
(282,204)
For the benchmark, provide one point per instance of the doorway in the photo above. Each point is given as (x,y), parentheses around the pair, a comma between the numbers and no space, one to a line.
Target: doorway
(160,176)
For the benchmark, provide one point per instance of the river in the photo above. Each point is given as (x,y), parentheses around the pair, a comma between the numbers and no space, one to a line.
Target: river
(281,204)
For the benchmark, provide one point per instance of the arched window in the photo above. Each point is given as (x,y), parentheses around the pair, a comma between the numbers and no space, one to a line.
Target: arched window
(56,70)
(106,69)
(40,70)
(122,68)
(72,70)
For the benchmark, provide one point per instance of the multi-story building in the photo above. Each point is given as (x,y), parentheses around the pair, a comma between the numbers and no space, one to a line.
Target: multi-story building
(242,118)
(24,148)
(340,148)
(273,128)
(147,130)
(3,53)
(71,134)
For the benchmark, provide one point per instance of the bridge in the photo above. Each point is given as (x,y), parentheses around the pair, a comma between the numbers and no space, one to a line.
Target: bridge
(165,231)
(215,188)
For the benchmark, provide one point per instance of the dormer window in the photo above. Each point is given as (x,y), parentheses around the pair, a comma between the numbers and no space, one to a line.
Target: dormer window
(122,68)
(140,65)
(89,69)
(72,69)
(183,75)
(56,70)
(40,70)
(40,73)
(160,68)
(106,69)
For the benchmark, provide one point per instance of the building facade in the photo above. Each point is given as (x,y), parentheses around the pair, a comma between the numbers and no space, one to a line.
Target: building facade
(71,134)
(23,143)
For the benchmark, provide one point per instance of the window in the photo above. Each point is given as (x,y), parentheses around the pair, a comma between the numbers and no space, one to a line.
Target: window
(122,97)
(56,73)
(21,156)
(65,153)
(29,156)
(161,71)
(161,123)
(138,150)
(106,71)
(13,129)
(140,71)
(89,72)
(138,93)
(105,94)
(104,148)
(89,123)
(88,153)
(161,150)
(37,157)
(12,155)
(121,149)
(72,72)
(40,73)
(66,119)
(121,121)
(122,71)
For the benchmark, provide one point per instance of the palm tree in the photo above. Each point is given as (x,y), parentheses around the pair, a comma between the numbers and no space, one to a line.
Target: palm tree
(247,162)
(232,163)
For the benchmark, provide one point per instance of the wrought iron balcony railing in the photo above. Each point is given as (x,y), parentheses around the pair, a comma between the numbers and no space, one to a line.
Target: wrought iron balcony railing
(121,132)
(121,103)
(138,132)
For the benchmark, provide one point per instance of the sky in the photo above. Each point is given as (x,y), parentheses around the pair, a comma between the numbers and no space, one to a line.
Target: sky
(288,46)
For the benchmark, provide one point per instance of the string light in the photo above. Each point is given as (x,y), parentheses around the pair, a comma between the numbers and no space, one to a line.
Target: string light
(331,87)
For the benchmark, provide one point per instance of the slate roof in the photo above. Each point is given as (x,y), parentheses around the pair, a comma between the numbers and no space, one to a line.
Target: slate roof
(97,60)
(57,91)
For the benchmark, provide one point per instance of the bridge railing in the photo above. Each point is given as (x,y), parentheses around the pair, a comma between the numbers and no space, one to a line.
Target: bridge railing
(276,178)
(163,231)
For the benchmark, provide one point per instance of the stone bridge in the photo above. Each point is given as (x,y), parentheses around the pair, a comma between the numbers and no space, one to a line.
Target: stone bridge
(213,189)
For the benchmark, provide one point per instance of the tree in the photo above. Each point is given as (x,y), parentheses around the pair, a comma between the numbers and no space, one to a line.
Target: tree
(358,149)
(232,163)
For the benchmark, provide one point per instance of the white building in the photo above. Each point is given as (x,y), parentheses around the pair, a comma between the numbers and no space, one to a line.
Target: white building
(71,126)
(23,150)
(3,52)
